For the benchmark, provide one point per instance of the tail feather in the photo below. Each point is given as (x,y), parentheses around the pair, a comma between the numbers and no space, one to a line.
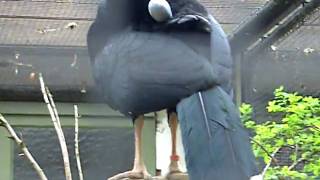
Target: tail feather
(227,154)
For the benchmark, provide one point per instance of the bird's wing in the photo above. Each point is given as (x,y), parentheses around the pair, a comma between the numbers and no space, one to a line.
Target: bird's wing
(221,57)
(155,68)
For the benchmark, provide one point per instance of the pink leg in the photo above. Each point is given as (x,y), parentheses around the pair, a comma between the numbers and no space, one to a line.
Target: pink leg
(173,123)
(139,170)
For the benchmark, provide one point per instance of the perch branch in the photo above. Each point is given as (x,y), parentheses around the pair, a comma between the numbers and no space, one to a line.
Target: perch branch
(269,164)
(56,122)
(23,147)
(76,141)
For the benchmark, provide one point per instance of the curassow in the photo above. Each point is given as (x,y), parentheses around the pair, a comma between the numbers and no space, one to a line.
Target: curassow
(148,55)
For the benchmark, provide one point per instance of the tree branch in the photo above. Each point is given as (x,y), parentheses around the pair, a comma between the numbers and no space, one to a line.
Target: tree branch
(56,122)
(76,141)
(269,164)
(23,147)
(293,165)
(273,159)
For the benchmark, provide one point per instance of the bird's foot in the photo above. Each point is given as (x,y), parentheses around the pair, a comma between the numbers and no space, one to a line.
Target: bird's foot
(133,174)
(174,172)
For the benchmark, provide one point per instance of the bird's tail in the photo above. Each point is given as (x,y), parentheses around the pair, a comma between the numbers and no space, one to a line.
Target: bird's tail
(215,142)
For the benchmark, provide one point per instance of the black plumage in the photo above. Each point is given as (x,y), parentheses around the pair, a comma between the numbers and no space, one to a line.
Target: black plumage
(144,66)
(225,153)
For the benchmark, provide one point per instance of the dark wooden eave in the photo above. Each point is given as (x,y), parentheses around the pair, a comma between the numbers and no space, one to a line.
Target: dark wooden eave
(290,23)
(260,23)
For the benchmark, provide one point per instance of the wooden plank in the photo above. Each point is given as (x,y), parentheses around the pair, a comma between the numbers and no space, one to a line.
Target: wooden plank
(65,109)
(238,79)
(6,164)
(92,115)
(47,10)
(68,121)
(149,144)
(36,108)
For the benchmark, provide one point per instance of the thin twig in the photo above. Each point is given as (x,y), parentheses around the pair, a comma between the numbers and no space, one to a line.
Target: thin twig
(76,141)
(265,150)
(14,63)
(23,147)
(56,122)
(293,165)
(52,104)
(269,164)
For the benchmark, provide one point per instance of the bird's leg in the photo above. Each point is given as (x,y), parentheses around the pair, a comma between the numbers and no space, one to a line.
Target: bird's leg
(139,165)
(139,170)
(174,158)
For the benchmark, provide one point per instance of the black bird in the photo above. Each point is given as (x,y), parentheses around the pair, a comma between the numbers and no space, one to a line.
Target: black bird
(150,54)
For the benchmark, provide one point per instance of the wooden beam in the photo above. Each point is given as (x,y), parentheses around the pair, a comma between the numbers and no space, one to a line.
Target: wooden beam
(149,144)
(35,114)
(6,164)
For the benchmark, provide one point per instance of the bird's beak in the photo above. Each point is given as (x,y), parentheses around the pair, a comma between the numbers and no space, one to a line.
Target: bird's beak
(160,10)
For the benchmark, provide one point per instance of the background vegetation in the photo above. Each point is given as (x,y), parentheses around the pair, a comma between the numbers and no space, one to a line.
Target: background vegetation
(295,128)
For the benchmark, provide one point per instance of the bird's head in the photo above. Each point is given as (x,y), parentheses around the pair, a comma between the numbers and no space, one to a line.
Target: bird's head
(179,14)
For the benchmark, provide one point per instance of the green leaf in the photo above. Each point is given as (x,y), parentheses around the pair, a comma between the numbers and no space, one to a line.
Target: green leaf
(296,124)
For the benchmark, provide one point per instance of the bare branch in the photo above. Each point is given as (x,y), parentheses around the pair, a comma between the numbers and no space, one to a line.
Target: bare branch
(273,159)
(76,141)
(293,165)
(56,122)
(269,164)
(23,147)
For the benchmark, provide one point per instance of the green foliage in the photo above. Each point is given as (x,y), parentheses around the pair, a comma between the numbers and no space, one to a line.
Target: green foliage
(296,125)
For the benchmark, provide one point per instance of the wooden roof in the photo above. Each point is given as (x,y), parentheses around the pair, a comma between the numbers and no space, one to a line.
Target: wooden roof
(45,22)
